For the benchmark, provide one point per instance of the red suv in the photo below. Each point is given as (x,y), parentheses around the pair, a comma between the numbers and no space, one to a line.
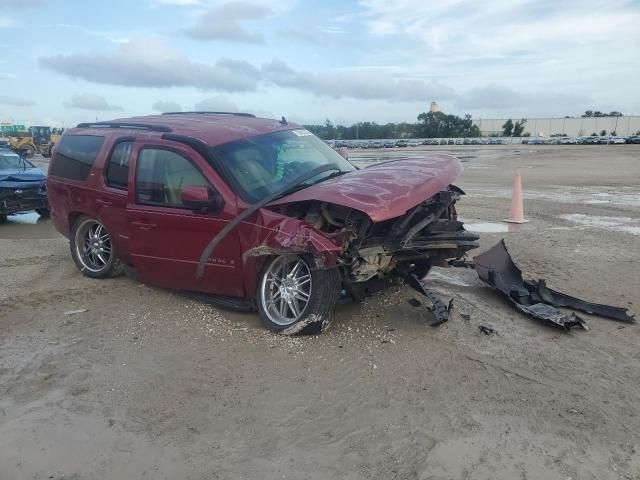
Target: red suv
(256,213)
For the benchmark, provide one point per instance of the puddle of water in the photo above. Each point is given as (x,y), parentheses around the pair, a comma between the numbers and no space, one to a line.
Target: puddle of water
(27,226)
(487,227)
(620,196)
(447,277)
(30,218)
(620,224)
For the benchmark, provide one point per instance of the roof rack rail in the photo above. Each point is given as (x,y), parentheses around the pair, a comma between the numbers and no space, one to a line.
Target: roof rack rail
(204,112)
(139,126)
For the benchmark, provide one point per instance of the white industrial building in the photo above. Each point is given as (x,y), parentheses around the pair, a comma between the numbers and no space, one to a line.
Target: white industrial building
(573,127)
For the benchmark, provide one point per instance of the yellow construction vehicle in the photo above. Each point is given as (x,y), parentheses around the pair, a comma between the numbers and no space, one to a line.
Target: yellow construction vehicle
(37,139)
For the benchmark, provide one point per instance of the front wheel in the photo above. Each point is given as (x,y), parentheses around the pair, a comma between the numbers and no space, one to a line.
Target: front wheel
(295,299)
(92,250)
(43,212)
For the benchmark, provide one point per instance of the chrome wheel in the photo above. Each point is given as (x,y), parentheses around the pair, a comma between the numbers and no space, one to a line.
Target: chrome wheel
(93,245)
(286,289)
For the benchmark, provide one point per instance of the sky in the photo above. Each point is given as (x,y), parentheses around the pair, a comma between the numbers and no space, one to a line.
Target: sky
(69,61)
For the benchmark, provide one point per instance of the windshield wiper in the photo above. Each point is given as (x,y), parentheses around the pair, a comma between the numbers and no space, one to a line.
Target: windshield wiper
(297,184)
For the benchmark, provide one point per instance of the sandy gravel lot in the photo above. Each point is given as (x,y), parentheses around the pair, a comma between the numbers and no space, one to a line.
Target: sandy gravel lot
(149,384)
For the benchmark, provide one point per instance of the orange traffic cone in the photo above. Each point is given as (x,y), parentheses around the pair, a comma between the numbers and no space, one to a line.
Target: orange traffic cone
(516,214)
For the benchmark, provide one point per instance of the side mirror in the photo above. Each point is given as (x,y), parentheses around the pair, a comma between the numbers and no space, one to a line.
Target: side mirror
(201,199)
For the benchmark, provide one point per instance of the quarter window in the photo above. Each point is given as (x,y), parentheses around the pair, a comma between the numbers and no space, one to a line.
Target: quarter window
(75,155)
(162,174)
(118,166)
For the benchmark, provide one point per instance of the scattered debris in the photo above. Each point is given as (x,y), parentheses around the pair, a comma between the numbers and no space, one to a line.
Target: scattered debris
(465,316)
(486,330)
(73,312)
(496,268)
(438,308)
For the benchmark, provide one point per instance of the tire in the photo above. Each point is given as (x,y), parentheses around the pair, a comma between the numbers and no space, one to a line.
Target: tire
(314,313)
(29,150)
(3,218)
(87,236)
(43,212)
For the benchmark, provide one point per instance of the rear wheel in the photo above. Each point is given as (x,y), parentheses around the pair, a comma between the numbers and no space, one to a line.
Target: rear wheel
(92,249)
(295,299)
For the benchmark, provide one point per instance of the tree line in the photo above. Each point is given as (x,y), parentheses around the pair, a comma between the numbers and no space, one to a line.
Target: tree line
(429,125)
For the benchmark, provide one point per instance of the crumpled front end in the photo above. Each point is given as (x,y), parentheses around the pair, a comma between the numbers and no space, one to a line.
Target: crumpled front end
(370,253)
(21,196)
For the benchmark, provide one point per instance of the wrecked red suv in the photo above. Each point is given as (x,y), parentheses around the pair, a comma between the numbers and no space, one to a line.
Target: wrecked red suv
(253,212)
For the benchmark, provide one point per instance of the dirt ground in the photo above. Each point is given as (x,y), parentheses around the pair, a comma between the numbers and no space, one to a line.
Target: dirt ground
(145,383)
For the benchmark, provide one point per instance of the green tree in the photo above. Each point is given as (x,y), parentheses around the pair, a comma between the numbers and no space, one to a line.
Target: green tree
(518,128)
(507,128)
(603,133)
(439,125)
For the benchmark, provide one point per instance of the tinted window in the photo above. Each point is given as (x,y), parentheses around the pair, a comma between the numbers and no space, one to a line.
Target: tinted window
(75,156)
(161,175)
(118,166)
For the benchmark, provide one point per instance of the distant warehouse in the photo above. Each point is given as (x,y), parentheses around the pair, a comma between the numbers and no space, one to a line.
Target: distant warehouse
(573,127)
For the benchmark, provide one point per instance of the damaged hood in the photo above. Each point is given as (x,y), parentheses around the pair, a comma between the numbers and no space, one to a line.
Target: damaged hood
(19,178)
(386,190)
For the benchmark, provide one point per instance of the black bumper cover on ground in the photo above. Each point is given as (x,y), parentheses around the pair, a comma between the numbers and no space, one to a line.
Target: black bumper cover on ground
(534,298)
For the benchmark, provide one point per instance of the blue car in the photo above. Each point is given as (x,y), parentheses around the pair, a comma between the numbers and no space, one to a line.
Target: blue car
(22,186)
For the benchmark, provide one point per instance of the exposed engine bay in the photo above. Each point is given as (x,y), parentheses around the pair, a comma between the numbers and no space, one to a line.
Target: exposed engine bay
(427,235)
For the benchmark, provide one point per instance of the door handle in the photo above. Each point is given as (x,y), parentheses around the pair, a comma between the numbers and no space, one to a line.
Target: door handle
(104,202)
(144,225)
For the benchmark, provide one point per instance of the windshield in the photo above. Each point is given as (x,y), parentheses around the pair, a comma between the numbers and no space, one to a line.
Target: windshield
(261,165)
(9,161)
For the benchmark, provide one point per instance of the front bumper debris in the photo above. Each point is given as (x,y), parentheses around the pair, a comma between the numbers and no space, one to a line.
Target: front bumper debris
(496,268)
(438,308)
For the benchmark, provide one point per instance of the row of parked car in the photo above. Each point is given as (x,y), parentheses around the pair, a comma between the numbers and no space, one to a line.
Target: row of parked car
(415,143)
(589,140)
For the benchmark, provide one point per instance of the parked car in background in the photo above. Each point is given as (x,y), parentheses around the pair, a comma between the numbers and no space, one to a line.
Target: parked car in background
(219,204)
(401,143)
(389,144)
(591,140)
(632,139)
(458,141)
(413,143)
(617,140)
(22,186)
(568,141)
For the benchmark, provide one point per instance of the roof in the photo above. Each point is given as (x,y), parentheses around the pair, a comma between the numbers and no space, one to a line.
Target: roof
(213,129)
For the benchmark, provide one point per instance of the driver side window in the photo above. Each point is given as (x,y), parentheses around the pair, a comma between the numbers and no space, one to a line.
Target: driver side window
(162,174)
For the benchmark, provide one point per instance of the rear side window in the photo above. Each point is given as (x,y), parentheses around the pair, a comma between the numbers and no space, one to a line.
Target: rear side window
(118,166)
(161,175)
(75,156)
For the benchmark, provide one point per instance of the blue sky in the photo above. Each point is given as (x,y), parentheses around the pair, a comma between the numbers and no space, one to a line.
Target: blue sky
(68,61)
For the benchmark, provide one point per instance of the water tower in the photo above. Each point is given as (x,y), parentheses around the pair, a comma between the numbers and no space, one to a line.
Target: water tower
(434,107)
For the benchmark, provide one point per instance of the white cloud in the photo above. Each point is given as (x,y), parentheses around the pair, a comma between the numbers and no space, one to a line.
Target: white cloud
(216,104)
(148,62)
(90,101)
(223,22)
(16,101)
(355,84)
(504,99)
(165,106)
